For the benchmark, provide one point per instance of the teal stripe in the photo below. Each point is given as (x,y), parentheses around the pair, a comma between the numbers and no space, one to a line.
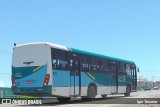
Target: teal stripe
(21,72)
(99,55)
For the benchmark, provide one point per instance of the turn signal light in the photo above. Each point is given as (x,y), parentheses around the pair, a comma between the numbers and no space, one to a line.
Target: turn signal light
(46,80)
(13,82)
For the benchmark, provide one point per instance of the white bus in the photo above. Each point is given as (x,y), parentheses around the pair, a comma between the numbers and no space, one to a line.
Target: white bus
(46,69)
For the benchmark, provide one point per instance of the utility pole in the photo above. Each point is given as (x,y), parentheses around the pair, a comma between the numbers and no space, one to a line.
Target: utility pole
(153,81)
(140,80)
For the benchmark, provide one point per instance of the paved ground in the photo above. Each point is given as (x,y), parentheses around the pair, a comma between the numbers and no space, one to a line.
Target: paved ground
(111,101)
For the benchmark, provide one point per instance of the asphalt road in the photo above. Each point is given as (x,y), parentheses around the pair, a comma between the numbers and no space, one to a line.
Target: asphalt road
(148,98)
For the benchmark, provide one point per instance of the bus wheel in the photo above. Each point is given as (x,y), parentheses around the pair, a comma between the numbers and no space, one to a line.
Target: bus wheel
(85,98)
(91,91)
(128,90)
(104,96)
(64,100)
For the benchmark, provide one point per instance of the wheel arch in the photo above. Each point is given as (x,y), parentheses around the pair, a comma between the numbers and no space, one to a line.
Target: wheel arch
(129,86)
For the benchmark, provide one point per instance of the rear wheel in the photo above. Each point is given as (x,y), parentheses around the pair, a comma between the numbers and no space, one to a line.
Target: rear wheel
(128,90)
(84,98)
(104,96)
(91,91)
(64,100)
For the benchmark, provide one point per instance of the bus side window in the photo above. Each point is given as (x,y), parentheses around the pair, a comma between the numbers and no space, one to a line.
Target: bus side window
(122,68)
(128,69)
(62,64)
(94,64)
(59,59)
(113,66)
(84,64)
(105,66)
(54,63)
(89,63)
(100,65)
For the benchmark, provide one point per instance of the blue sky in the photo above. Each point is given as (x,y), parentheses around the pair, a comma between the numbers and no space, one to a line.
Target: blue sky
(127,29)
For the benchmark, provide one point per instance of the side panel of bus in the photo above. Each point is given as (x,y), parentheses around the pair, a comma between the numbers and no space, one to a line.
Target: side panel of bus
(72,74)
(61,72)
(66,73)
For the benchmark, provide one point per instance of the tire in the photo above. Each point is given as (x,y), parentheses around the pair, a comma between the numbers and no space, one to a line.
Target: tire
(85,98)
(128,90)
(92,92)
(104,96)
(64,100)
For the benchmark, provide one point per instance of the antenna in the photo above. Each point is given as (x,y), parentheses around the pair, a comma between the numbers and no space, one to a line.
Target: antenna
(15,44)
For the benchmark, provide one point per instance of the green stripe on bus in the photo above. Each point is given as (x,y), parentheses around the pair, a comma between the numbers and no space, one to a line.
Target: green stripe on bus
(91,75)
(36,69)
(69,49)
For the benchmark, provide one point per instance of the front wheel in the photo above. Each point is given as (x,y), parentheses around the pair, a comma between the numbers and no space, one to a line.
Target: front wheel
(128,91)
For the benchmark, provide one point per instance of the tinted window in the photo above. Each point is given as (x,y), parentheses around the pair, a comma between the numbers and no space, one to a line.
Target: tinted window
(128,69)
(84,63)
(59,59)
(105,65)
(94,64)
(122,67)
(113,65)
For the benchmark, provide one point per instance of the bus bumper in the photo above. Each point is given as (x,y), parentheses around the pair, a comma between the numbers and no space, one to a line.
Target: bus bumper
(33,91)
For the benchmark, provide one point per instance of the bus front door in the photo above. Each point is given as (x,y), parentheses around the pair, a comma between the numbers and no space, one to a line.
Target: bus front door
(75,78)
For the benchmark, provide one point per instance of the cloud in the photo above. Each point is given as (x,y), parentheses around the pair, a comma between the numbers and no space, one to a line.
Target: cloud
(2,84)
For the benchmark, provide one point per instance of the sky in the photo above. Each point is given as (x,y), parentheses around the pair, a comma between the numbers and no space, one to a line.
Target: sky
(126,29)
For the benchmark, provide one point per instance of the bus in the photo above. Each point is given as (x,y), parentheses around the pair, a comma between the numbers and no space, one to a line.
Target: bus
(47,69)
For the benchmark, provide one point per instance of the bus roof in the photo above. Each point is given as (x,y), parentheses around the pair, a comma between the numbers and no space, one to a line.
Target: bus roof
(79,51)
(45,43)
(99,55)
